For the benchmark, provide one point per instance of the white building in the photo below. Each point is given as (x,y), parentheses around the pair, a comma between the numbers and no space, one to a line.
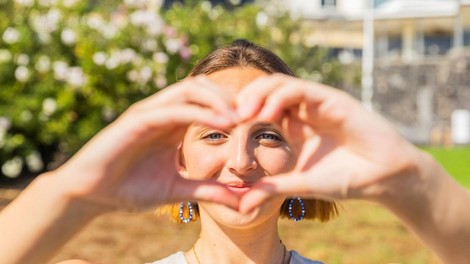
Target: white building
(405,29)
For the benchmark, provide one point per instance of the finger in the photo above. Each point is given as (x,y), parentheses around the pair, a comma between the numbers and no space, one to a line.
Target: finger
(182,115)
(248,105)
(207,191)
(289,185)
(198,91)
(296,93)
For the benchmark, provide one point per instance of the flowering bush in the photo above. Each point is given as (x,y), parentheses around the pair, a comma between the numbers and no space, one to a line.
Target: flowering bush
(66,71)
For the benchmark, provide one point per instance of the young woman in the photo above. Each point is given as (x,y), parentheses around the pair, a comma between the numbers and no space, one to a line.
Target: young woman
(245,142)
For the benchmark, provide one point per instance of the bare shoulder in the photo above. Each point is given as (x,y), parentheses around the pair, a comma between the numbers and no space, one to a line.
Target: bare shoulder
(75,261)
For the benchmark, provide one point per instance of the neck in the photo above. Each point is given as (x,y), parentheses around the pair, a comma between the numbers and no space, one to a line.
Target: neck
(254,244)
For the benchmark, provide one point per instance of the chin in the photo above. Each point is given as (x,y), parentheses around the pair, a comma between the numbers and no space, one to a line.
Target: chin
(228,217)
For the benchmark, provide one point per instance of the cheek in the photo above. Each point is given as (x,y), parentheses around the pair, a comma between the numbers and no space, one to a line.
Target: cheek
(275,161)
(203,164)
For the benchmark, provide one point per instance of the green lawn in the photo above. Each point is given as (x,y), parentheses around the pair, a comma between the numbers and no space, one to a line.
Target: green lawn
(455,160)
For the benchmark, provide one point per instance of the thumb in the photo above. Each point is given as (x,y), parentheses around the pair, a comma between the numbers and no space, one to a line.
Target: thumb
(288,184)
(207,191)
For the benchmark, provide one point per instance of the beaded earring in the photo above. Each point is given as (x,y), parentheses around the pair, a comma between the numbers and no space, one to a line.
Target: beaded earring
(182,209)
(302,206)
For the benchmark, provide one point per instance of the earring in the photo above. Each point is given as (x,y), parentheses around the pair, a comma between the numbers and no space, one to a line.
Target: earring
(302,206)
(182,209)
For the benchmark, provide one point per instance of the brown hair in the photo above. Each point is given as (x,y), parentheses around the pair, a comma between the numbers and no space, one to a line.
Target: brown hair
(242,53)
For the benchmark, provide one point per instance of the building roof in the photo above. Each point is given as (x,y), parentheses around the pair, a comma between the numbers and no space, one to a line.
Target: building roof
(398,9)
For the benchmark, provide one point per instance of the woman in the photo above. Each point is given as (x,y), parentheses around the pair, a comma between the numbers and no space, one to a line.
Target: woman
(239,140)
(238,158)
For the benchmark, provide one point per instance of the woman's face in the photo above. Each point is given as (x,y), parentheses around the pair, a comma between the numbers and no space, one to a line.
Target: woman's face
(238,157)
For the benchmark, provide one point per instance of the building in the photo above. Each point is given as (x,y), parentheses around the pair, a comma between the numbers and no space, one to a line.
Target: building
(413,54)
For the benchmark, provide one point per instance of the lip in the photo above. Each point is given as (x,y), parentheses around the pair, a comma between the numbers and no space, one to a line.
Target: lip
(239,188)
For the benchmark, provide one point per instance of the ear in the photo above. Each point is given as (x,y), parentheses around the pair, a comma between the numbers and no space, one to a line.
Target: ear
(180,162)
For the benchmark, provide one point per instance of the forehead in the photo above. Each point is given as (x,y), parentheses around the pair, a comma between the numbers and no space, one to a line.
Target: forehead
(234,79)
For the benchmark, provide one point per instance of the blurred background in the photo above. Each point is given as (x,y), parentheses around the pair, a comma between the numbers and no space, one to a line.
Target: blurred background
(68,68)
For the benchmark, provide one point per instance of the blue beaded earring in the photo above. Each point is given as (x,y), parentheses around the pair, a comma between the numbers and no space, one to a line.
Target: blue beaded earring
(190,208)
(302,206)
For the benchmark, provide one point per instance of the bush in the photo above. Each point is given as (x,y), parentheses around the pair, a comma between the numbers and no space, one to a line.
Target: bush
(67,70)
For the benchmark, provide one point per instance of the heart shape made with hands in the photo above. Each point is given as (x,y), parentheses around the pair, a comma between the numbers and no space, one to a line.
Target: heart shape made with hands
(295,115)
(134,161)
(340,145)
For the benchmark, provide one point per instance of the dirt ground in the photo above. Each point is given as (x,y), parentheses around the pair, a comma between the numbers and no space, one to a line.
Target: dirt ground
(364,233)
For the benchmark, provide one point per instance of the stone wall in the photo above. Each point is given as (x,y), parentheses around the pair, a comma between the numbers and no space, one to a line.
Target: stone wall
(419,97)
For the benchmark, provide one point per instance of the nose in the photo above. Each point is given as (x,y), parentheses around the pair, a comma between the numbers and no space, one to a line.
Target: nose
(241,158)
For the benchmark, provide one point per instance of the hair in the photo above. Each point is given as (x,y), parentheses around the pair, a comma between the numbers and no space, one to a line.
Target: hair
(242,53)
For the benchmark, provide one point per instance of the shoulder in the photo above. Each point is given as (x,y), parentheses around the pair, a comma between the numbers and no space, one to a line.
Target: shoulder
(296,258)
(177,258)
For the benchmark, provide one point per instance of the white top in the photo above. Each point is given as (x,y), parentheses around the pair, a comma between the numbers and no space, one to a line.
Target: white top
(178,258)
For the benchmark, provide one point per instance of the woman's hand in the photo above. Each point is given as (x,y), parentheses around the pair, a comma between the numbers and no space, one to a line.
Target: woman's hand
(344,150)
(131,164)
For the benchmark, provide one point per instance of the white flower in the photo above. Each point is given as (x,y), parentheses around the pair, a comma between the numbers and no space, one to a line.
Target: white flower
(109,31)
(261,19)
(22,59)
(43,64)
(152,23)
(60,69)
(160,81)
(133,75)
(95,21)
(54,16)
(12,168)
(49,106)
(206,6)
(2,138)
(76,77)
(99,58)
(22,73)
(11,35)
(172,45)
(70,3)
(160,57)
(34,162)
(5,55)
(5,123)
(27,3)
(68,36)
(140,17)
(155,27)
(47,3)
(135,3)
(145,74)
(108,114)
(112,62)
(150,45)
(127,55)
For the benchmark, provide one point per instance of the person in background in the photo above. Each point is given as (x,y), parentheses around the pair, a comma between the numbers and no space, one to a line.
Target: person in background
(237,144)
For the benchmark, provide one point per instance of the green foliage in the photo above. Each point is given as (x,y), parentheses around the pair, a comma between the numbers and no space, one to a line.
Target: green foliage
(66,71)
(456,161)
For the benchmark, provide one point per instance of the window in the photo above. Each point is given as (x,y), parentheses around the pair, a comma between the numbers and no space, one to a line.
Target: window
(437,44)
(328,3)
(378,2)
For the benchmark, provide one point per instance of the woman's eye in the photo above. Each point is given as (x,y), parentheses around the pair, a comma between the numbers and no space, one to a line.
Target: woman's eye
(269,136)
(214,136)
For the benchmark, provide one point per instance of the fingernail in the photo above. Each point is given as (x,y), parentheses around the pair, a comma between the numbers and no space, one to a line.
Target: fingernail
(266,113)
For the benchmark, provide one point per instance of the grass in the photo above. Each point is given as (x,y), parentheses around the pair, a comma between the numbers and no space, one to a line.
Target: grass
(456,161)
